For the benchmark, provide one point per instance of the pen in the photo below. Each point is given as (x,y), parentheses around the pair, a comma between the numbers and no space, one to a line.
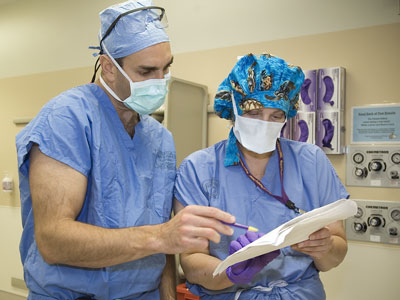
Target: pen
(249,228)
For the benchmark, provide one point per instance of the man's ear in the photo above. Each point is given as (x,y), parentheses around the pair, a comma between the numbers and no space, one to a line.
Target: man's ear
(108,69)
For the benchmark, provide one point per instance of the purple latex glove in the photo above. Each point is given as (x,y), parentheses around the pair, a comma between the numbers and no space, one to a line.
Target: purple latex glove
(244,271)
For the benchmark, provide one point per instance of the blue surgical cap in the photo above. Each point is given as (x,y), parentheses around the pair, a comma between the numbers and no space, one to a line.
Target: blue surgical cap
(258,81)
(124,38)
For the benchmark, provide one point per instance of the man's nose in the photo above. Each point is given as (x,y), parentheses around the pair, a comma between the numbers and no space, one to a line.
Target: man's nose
(160,74)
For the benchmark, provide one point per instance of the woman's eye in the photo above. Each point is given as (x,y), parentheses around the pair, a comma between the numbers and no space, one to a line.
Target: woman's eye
(253,112)
(278,117)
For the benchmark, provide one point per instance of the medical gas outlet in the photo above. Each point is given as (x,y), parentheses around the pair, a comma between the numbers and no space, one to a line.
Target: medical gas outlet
(374,166)
(375,221)
(7,184)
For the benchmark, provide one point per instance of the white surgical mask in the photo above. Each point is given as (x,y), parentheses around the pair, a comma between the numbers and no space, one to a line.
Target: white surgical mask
(256,135)
(146,96)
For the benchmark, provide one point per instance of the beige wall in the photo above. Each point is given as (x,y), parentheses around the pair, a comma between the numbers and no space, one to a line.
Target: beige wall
(56,41)
(371,58)
(23,97)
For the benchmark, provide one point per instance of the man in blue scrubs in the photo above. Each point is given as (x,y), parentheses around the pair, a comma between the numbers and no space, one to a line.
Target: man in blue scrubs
(264,182)
(97,175)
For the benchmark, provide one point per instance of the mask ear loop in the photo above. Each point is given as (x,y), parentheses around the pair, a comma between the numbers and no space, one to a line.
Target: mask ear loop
(329,89)
(283,130)
(304,91)
(329,132)
(235,112)
(303,131)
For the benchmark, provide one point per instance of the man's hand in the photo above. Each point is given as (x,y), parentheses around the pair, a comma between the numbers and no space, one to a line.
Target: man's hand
(191,229)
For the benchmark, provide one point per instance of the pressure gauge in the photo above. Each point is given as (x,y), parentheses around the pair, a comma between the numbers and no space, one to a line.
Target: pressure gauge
(395,214)
(358,158)
(396,158)
(359,213)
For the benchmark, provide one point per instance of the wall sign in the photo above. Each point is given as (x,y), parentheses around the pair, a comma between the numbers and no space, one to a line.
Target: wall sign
(376,124)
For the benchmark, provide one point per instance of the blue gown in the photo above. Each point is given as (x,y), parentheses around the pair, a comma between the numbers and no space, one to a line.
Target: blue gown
(130,183)
(310,181)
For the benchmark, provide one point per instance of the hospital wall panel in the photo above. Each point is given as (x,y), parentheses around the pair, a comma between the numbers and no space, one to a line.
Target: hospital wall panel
(371,58)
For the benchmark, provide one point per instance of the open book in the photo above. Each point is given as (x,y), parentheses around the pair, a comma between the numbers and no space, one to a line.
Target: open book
(292,232)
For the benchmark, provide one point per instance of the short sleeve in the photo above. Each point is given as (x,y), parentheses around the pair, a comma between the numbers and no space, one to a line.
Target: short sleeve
(189,185)
(62,132)
(329,185)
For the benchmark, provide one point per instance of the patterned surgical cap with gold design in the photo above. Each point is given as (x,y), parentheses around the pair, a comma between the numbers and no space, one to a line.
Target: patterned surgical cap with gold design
(258,81)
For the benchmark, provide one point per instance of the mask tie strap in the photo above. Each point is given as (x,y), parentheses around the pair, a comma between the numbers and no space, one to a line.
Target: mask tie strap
(116,64)
(109,89)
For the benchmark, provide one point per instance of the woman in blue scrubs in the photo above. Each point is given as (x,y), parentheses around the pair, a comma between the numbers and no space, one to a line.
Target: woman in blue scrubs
(264,181)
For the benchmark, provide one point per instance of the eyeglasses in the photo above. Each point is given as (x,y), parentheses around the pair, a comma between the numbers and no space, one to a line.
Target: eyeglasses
(143,16)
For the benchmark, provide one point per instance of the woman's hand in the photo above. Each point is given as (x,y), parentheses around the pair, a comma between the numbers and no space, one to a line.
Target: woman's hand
(244,271)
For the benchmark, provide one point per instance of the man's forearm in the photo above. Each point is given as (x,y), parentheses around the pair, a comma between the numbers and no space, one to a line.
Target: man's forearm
(62,240)
(78,244)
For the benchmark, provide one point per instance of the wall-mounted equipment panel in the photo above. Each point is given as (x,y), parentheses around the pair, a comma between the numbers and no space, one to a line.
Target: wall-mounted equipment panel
(374,166)
(375,221)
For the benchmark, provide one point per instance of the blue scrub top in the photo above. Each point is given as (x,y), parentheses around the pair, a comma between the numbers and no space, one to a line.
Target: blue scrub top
(130,183)
(310,181)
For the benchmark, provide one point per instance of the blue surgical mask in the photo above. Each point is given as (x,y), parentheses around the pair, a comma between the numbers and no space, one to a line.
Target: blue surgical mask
(146,96)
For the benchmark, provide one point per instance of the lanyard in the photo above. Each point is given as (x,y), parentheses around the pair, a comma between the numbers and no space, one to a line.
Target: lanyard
(284,198)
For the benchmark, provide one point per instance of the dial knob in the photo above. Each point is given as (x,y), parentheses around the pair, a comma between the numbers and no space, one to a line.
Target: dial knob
(394,174)
(359,172)
(393,231)
(375,222)
(376,166)
(359,227)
